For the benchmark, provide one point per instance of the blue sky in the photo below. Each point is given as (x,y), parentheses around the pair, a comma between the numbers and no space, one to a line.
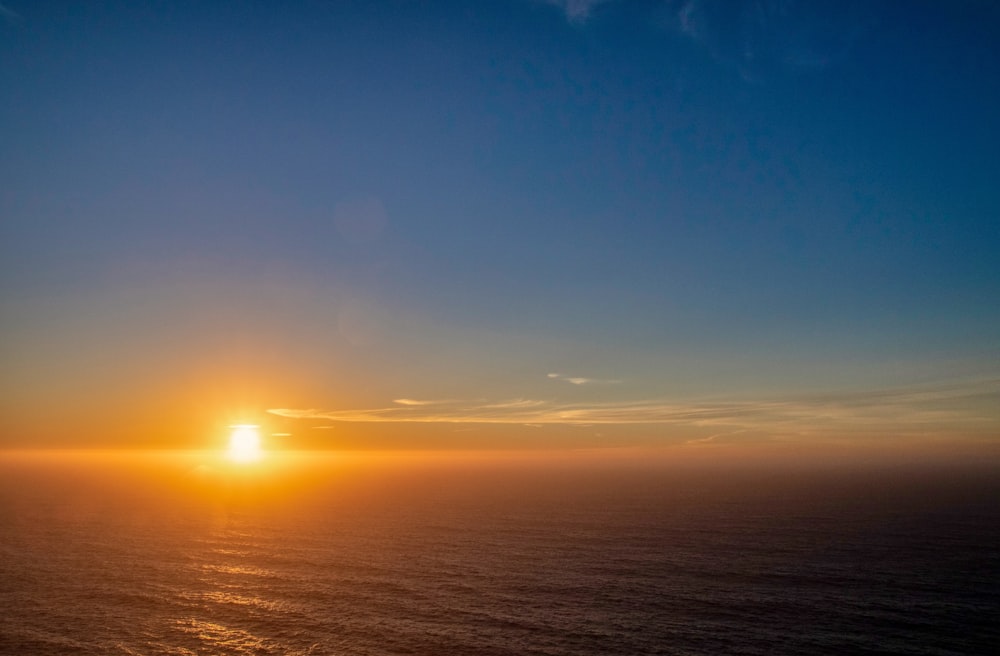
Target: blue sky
(334,206)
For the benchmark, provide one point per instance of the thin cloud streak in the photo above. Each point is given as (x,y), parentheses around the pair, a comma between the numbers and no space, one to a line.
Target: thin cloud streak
(9,14)
(515,404)
(413,402)
(956,404)
(580,380)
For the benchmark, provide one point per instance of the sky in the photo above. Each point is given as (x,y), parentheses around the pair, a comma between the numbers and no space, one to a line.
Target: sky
(500,224)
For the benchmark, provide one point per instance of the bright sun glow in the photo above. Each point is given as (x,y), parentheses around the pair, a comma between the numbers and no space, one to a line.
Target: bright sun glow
(244,444)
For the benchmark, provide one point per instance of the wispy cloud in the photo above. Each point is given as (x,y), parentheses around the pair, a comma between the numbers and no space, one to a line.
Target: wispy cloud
(412,402)
(712,438)
(760,39)
(951,405)
(577,11)
(9,14)
(580,380)
(515,404)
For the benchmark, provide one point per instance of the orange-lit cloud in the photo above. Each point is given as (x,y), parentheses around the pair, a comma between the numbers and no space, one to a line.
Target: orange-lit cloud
(969,404)
(410,402)
(580,380)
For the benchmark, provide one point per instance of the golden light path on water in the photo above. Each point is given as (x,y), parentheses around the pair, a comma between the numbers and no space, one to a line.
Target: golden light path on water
(306,552)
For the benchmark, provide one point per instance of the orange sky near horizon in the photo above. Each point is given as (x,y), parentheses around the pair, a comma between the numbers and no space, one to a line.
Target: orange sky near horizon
(409,230)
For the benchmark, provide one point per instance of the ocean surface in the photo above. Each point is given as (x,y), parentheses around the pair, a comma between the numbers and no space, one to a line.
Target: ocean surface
(123,555)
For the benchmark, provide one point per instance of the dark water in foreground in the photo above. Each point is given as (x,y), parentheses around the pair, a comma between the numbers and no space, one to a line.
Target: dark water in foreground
(460,558)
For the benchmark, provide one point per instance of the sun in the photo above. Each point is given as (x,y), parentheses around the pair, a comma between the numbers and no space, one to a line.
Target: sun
(244,444)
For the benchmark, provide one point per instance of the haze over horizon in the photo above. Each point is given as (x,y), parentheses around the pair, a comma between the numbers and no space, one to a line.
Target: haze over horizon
(512,224)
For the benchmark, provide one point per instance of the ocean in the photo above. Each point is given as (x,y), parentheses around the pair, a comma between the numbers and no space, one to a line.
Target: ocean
(352,555)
